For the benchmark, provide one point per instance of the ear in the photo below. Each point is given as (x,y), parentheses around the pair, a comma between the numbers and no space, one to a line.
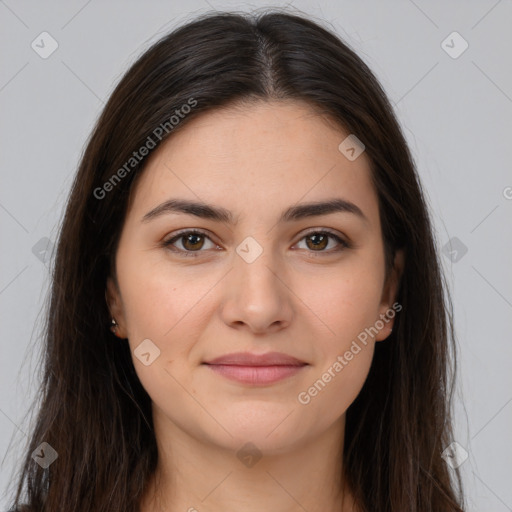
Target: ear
(387,312)
(115,306)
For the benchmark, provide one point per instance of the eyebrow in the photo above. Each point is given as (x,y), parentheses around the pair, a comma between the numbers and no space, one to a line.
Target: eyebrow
(219,214)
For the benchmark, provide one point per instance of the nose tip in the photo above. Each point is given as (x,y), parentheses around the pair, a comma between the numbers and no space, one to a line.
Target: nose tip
(256,296)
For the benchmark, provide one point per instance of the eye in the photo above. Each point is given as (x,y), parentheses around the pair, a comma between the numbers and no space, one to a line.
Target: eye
(319,240)
(193,241)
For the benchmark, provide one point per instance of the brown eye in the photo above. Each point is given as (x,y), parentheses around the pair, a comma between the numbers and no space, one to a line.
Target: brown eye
(318,241)
(190,241)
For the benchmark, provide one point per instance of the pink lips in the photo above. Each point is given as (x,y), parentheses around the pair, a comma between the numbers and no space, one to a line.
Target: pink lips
(256,369)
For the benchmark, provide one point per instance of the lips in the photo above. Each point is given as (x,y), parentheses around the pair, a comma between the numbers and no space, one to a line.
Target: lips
(256,369)
(248,359)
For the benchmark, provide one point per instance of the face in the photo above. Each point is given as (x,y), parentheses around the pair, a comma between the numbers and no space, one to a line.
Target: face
(253,278)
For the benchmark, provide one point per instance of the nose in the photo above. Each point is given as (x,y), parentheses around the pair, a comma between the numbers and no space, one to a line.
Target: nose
(256,295)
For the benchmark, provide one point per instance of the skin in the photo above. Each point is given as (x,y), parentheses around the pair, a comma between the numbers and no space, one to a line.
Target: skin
(307,302)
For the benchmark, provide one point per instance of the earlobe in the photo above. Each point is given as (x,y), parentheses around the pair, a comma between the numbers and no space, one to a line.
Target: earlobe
(113,300)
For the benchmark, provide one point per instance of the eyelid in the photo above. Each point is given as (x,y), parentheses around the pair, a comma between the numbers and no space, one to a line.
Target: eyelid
(187,231)
(323,230)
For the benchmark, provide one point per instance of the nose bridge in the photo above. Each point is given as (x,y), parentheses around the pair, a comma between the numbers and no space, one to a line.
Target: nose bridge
(255,261)
(256,294)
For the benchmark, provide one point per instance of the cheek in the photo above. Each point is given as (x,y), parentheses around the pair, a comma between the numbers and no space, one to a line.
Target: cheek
(346,307)
(344,302)
(166,306)
(161,299)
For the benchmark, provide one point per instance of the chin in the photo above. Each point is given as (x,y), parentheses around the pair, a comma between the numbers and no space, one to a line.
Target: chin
(271,429)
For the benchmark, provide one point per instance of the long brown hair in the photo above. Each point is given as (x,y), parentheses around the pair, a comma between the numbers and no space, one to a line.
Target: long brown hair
(93,409)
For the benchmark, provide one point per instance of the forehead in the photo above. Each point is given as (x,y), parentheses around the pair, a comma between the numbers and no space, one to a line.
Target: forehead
(256,156)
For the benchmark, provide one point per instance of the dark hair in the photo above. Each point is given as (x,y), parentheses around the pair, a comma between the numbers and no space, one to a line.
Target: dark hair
(94,411)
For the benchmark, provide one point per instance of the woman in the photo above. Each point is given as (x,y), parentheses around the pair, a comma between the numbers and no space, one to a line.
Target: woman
(247,307)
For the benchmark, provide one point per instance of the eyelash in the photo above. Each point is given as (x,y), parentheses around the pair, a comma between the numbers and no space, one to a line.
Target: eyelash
(194,254)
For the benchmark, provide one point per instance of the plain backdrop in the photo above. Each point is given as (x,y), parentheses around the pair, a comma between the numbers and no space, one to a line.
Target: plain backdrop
(455,108)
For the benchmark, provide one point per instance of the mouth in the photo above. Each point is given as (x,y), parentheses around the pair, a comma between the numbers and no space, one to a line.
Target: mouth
(254,369)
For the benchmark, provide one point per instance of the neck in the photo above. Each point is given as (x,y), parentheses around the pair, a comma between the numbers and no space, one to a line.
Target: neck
(193,475)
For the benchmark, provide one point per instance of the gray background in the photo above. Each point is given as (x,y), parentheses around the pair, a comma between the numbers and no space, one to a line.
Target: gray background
(456,113)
